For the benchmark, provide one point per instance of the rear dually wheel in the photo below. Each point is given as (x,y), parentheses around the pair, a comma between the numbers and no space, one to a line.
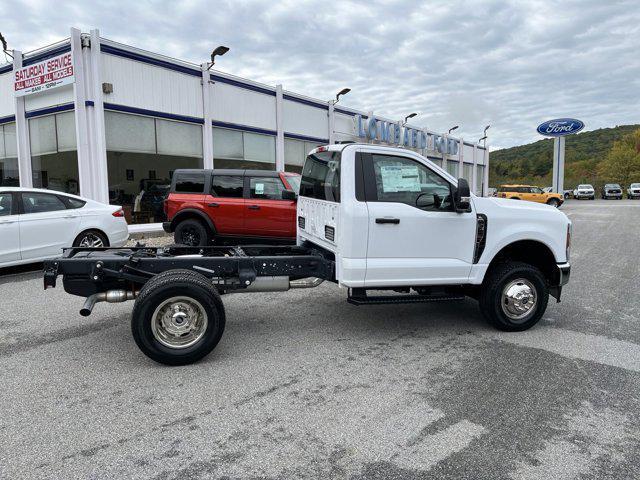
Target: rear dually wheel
(178,318)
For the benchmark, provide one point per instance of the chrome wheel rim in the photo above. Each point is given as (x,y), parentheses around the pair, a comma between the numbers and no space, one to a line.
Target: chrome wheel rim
(91,240)
(179,322)
(519,299)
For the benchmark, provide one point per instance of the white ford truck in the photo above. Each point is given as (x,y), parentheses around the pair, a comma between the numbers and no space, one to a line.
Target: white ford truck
(385,223)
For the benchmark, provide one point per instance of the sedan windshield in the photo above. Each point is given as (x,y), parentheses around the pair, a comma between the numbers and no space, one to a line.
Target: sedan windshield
(585,187)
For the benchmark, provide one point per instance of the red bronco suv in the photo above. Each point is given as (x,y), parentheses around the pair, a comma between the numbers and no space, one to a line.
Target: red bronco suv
(236,204)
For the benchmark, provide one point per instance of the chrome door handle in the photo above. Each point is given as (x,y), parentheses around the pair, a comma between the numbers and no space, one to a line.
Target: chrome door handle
(254,207)
(215,205)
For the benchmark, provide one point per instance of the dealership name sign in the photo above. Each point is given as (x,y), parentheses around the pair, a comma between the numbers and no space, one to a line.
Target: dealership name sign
(39,77)
(391,132)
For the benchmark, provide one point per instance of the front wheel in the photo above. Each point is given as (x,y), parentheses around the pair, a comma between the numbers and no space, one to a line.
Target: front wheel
(554,202)
(178,318)
(513,296)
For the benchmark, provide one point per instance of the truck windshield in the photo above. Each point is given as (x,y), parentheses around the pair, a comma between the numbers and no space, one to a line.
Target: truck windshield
(321,176)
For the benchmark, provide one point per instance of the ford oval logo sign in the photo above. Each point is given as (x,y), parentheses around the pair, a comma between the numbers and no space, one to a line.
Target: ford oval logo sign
(560,127)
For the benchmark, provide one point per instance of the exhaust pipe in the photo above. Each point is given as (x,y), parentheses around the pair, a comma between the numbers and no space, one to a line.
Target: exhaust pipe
(310,282)
(278,284)
(110,296)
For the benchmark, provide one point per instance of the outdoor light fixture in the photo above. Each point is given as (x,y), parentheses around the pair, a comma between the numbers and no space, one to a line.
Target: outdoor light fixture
(411,115)
(344,91)
(453,128)
(219,51)
(484,137)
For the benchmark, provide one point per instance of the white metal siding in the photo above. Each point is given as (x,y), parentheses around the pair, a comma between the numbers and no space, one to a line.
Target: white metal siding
(345,124)
(137,84)
(245,107)
(7,102)
(305,120)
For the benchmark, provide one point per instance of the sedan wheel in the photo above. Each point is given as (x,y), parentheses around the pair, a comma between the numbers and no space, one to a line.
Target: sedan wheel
(91,240)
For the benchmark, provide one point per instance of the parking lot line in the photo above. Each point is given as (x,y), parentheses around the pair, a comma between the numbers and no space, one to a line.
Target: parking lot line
(571,344)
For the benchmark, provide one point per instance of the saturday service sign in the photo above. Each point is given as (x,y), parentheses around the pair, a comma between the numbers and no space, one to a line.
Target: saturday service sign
(50,73)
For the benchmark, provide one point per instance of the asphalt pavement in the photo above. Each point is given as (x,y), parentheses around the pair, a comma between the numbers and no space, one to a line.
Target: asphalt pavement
(304,385)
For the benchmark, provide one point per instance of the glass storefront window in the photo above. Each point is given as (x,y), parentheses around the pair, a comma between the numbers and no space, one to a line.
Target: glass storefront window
(54,156)
(8,156)
(452,167)
(237,149)
(467,172)
(142,154)
(480,180)
(295,153)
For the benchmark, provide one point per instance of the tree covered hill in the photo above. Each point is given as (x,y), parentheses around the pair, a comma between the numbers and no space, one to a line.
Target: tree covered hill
(533,163)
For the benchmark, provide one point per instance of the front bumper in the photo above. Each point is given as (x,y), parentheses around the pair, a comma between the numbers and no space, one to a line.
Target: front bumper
(562,278)
(585,195)
(613,195)
(564,272)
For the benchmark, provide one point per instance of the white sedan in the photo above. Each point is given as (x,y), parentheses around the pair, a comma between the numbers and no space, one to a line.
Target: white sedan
(36,224)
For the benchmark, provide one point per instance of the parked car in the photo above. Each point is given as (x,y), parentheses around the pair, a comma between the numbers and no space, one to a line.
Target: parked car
(530,193)
(584,191)
(36,224)
(611,190)
(204,205)
(633,191)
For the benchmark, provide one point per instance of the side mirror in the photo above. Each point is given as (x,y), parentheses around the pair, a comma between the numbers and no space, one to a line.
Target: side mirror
(462,196)
(289,195)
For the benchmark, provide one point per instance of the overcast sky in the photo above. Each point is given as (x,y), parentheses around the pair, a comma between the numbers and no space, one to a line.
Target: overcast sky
(511,64)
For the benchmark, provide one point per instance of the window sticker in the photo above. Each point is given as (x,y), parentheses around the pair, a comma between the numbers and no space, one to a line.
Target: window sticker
(396,178)
(259,188)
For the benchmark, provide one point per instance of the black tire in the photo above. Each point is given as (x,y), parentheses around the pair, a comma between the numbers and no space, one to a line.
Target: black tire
(495,281)
(193,233)
(592,198)
(184,284)
(91,234)
(554,202)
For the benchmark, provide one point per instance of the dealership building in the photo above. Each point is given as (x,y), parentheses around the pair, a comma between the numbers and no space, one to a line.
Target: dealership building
(111,122)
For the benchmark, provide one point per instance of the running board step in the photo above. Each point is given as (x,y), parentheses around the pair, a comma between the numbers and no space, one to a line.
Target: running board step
(395,299)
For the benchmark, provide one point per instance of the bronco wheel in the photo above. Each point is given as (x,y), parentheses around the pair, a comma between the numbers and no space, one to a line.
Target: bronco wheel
(178,318)
(193,233)
(514,296)
(554,202)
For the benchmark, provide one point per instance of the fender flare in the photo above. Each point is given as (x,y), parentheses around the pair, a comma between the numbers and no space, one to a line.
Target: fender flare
(192,212)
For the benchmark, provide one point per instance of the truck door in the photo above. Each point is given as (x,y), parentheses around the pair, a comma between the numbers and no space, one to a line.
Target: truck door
(415,236)
(225,204)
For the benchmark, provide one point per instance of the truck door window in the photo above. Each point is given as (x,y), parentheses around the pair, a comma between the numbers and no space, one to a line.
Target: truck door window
(321,176)
(227,186)
(403,180)
(266,188)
